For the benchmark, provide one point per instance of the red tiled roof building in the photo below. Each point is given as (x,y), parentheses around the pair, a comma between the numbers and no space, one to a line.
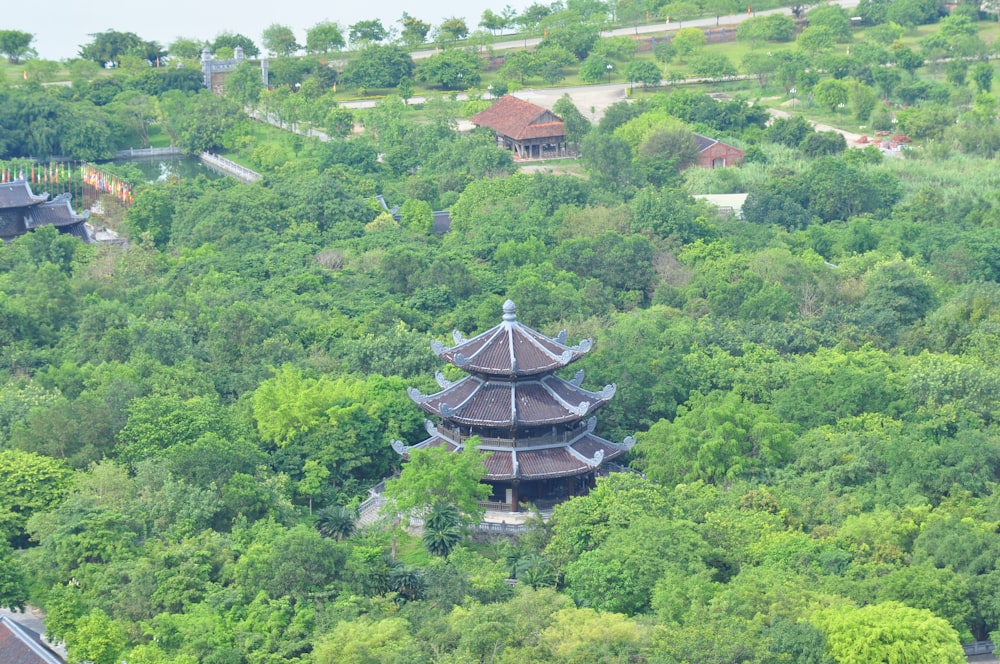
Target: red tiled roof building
(537,428)
(20,645)
(530,131)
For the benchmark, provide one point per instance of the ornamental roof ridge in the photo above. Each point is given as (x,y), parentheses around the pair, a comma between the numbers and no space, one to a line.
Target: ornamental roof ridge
(511,348)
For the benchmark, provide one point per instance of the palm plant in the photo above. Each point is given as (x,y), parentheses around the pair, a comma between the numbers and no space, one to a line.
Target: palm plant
(335,521)
(442,529)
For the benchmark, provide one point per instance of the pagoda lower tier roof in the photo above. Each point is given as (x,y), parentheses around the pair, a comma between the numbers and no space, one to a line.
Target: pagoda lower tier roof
(512,404)
(577,457)
(511,349)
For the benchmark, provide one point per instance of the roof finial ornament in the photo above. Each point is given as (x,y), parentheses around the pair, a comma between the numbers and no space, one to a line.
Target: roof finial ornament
(508,311)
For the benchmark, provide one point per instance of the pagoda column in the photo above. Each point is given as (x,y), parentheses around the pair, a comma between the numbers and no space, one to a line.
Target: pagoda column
(513,496)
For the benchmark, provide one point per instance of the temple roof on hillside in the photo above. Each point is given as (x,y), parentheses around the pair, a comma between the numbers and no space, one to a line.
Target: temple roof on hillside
(520,120)
(577,455)
(20,645)
(57,212)
(523,403)
(511,349)
(17,194)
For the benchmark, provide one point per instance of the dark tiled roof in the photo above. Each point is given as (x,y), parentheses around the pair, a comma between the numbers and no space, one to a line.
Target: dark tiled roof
(511,349)
(18,194)
(20,645)
(518,404)
(519,119)
(56,212)
(577,457)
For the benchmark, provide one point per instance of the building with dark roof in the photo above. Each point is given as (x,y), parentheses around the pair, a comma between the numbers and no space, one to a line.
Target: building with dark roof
(530,131)
(713,153)
(20,645)
(535,428)
(22,210)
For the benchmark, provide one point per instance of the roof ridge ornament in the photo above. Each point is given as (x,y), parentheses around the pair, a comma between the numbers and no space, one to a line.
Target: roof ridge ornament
(628,443)
(457,336)
(561,337)
(416,395)
(608,392)
(509,311)
(401,448)
(578,378)
(442,382)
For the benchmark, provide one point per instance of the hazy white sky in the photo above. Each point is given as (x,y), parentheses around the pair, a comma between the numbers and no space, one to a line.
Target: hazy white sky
(64,25)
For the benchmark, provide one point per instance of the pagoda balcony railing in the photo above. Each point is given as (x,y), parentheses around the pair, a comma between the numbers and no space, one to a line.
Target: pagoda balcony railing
(558,438)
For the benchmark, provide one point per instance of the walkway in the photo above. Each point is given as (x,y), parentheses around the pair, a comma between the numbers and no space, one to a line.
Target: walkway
(630,31)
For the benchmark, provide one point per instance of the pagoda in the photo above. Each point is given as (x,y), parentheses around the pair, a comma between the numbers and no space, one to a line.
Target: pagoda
(22,210)
(535,429)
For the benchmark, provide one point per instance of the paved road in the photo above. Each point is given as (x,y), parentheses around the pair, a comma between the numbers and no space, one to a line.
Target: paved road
(710,22)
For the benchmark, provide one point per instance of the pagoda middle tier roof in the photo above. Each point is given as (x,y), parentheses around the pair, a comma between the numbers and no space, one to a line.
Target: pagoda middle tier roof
(510,404)
(511,349)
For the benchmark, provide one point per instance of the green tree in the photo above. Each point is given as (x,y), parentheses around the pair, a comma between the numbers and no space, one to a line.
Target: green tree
(713,65)
(773,28)
(313,476)
(435,475)
(688,41)
(833,17)
(906,58)
(368,32)
(645,72)
(13,588)
(111,45)
(452,29)
(451,69)
(888,632)
(414,31)
(717,437)
(335,521)
(368,640)
(279,40)
(96,638)
(324,37)
(29,483)
(379,66)
(16,45)
(442,529)
(981,74)
(229,40)
(577,126)
(490,20)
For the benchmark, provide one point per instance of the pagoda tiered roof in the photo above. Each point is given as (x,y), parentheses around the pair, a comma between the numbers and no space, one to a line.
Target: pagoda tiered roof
(530,422)
(534,402)
(511,349)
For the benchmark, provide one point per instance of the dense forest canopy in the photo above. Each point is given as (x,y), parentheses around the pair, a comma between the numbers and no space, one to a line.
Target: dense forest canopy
(188,420)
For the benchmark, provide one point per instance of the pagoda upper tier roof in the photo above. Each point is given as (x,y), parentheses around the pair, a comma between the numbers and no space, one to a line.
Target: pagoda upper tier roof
(511,349)
(513,404)
(18,194)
